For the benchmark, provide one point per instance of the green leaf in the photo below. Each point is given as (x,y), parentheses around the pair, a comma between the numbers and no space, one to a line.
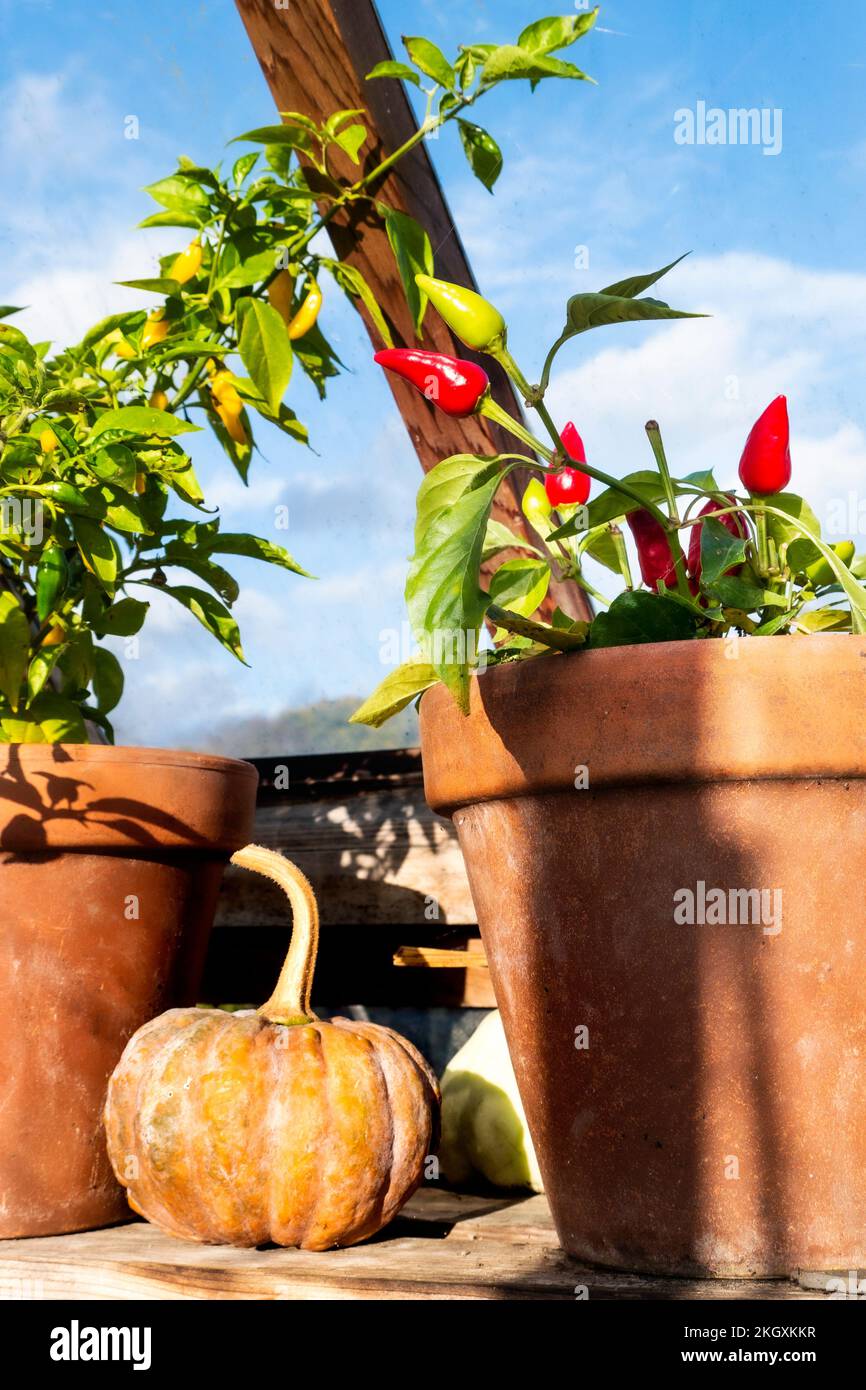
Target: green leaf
(218,578)
(431,61)
(212,615)
(173,219)
(636,284)
(265,349)
(250,271)
(414,256)
(7,309)
(51,718)
(446,603)
(244,166)
(399,688)
(394,69)
(14,648)
(177,194)
(127,323)
(122,619)
(318,358)
(720,551)
(802,553)
(521,585)
(559,31)
(131,420)
(635,618)
(510,63)
(447,482)
(298,136)
(285,420)
(824,620)
(617,304)
(482,151)
(158,286)
(40,669)
(798,509)
(351,139)
(811,531)
(733,592)
(350,279)
(98,550)
(498,538)
(598,543)
(611,504)
(254,548)
(586,311)
(107,679)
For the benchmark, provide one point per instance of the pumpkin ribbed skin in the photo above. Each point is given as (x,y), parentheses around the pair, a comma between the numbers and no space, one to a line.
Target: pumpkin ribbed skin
(231,1129)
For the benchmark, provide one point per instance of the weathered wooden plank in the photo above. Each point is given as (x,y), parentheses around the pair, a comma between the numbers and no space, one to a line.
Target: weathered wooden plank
(315,55)
(387,872)
(443,1246)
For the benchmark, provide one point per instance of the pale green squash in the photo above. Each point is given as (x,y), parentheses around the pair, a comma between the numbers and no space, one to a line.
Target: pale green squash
(484,1130)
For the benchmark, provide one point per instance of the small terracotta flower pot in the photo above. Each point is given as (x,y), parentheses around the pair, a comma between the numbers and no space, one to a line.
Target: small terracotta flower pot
(110,864)
(696,1089)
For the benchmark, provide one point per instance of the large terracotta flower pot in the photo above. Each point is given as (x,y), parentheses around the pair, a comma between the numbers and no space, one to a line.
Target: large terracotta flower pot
(696,1091)
(110,864)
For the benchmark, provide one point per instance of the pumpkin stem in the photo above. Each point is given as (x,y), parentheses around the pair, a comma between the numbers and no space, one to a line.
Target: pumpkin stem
(290,1001)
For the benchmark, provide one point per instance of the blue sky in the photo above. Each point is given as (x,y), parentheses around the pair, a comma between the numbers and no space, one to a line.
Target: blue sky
(778,259)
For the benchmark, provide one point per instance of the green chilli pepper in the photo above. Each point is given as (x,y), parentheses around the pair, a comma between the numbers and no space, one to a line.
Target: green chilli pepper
(819,572)
(477,324)
(51,576)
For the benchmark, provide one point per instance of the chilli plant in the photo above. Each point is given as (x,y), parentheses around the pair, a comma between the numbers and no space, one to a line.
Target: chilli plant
(95,439)
(712,561)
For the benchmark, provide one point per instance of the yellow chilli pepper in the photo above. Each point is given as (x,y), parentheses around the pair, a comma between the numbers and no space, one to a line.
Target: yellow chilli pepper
(54,636)
(233,423)
(306,316)
(122,348)
(228,405)
(155,329)
(187,265)
(140,482)
(280,292)
(158,400)
(48,440)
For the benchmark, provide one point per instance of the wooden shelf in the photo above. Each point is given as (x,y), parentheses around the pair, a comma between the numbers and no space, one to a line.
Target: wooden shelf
(444,1245)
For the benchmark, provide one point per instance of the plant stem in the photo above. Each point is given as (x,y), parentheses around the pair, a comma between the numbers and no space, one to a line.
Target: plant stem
(654,435)
(621,554)
(761,527)
(493,411)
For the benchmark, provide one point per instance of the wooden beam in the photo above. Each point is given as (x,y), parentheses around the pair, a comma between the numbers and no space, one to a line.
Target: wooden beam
(314,55)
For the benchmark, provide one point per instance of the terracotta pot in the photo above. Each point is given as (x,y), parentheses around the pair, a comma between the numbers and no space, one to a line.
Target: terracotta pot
(110,864)
(696,1093)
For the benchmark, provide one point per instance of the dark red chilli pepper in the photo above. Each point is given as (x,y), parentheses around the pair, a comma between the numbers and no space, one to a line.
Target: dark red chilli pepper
(458,387)
(765,466)
(653,550)
(732,521)
(568,486)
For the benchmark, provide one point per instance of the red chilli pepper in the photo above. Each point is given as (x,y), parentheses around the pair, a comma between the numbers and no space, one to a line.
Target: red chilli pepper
(458,387)
(732,521)
(653,550)
(765,466)
(568,486)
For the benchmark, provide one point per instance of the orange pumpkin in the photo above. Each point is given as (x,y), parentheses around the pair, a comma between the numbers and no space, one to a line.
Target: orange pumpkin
(271,1125)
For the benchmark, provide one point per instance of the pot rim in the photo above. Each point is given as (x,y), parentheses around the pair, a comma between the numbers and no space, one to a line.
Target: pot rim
(653,712)
(120,753)
(101,797)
